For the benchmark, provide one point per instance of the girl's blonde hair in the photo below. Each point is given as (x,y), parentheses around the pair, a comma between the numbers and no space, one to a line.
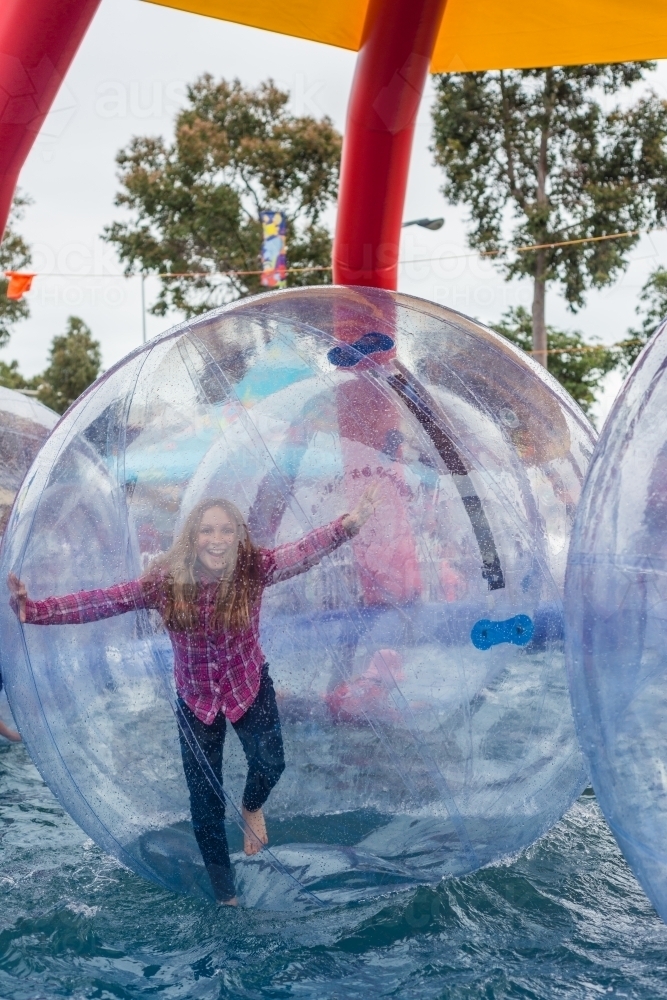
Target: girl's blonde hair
(238,589)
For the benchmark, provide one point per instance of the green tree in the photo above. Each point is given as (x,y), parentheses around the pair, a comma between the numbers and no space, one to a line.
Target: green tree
(578,366)
(197,202)
(74,363)
(14,256)
(11,377)
(538,160)
(653,309)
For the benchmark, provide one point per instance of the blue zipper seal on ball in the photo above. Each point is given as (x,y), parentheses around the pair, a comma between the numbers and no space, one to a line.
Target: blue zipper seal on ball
(517,630)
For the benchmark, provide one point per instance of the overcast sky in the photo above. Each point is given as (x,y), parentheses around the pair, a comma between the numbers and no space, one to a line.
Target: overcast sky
(128,79)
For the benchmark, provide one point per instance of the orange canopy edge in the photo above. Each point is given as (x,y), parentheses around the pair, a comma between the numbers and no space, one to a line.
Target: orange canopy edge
(475,34)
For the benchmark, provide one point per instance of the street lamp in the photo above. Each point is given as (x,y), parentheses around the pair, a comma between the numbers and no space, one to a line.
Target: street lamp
(426,223)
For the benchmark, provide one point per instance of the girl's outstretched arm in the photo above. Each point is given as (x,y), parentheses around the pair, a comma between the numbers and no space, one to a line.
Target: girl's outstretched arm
(297,557)
(84,606)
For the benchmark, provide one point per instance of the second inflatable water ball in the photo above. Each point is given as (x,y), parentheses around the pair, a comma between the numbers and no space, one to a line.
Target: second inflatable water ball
(616,603)
(337,519)
(25,425)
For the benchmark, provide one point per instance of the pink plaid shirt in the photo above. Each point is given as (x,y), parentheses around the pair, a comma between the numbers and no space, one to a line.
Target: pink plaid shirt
(214,671)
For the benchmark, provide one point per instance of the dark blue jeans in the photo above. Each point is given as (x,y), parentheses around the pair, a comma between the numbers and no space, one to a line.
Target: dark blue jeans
(201,749)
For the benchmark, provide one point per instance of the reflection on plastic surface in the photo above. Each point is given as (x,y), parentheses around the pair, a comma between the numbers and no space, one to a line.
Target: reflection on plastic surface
(410,751)
(616,615)
(24,427)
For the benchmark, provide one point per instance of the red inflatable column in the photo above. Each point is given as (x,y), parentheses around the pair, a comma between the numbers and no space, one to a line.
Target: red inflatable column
(38,40)
(399,38)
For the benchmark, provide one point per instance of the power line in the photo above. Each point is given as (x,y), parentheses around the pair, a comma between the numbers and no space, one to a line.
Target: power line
(321,267)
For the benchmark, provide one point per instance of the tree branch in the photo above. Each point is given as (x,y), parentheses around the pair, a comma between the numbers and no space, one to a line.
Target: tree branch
(515,190)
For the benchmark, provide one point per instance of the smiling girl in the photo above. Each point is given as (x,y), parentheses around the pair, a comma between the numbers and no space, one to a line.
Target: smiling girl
(208,589)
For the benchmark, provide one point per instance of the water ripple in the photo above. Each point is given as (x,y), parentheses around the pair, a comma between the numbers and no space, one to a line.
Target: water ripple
(564,919)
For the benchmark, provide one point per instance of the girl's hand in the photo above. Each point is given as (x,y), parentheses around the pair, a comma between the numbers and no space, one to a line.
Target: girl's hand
(9,734)
(19,595)
(367,505)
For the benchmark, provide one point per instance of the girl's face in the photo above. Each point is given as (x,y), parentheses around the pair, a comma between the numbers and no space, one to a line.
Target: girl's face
(216,539)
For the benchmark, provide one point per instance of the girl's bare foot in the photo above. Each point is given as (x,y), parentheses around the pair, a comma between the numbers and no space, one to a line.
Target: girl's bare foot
(9,734)
(228,902)
(255,835)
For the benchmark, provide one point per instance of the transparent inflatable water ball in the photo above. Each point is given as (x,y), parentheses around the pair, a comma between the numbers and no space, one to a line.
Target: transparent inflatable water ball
(616,612)
(25,425)
(304,555)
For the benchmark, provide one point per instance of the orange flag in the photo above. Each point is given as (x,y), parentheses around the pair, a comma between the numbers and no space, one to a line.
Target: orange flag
(18,284)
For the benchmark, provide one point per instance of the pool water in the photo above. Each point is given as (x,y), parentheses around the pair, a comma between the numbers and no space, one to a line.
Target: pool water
(565,919)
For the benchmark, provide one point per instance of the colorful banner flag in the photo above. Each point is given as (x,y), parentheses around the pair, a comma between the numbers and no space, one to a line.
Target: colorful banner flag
(18,284)
(274,249)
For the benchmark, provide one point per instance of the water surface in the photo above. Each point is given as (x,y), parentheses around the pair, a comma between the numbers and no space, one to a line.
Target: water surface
(565,919)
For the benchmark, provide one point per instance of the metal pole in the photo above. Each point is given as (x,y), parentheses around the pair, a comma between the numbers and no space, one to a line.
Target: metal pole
(143,310)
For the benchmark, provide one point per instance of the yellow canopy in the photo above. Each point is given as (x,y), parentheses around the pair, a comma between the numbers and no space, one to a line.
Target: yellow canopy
(475,34)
